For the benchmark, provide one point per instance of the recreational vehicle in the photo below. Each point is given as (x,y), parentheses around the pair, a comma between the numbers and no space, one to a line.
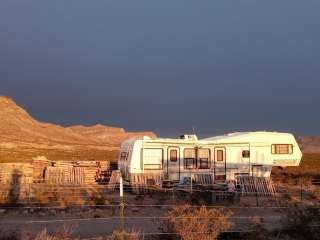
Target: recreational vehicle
(223,157)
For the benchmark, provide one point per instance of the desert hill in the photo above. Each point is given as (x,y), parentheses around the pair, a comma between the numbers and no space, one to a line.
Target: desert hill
(23,138)
(107,134)
(309,144)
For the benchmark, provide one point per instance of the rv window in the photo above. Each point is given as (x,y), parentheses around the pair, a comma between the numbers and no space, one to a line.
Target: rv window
(282,149)
(204,158)
(152,158)
(246,154)
(123,156)
(189,158)
(173,155)
(220,155)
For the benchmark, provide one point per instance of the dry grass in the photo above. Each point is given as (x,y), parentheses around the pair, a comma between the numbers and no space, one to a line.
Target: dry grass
(191,223)
(130,235)
(56,195)
(302,223)
(308,169)
(63,234)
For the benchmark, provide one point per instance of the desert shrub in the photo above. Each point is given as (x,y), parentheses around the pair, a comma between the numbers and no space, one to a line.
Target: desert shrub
(197,223)
(8,235)
(302,223)
(97,198)
(130,235)
(63,234)
(257,231)
(56,196)
(315,192)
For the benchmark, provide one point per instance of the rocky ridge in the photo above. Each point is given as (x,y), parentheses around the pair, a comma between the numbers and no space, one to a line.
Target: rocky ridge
(22,138)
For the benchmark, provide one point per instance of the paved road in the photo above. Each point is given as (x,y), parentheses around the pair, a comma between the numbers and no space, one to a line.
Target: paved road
(94,227)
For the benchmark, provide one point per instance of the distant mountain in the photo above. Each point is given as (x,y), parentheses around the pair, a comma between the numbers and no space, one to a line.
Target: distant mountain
(309,144)
(23,138)
(107,134)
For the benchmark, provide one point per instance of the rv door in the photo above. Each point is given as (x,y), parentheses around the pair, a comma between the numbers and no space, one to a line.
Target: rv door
(220,163)
(173,164)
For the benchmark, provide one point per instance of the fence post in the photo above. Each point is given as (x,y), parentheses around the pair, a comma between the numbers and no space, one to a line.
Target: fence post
(190,182)
(29,193)
(173,197)
(122,210)
(301,196)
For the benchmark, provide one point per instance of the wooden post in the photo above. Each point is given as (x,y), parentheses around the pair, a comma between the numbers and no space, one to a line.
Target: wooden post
(122,210)
(301,196)
(190,182)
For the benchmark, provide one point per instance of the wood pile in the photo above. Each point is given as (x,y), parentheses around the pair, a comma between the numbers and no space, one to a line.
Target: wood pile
(49,172)
(80,172)
(15,179)
(85,172)
(39,166)
(91,171)
(16,173)
(64,175)
(105,165)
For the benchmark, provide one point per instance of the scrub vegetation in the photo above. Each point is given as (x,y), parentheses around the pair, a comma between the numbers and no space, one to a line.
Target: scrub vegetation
(297,224)
(192,223)
(309,169)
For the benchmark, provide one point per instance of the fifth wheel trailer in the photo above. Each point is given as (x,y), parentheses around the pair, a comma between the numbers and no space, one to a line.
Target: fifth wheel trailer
(224,157)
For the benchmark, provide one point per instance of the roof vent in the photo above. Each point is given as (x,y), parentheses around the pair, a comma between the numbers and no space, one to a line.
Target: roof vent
(189,137)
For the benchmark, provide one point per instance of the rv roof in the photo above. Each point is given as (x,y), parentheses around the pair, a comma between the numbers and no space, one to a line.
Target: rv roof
(243,134)
(227,135)
(230,137)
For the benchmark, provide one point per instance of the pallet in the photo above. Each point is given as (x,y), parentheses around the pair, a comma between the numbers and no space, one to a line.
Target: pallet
(259,186)
(203,179)
(143,182)
(114,180)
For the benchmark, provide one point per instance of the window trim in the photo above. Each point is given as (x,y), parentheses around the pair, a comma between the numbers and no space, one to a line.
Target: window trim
(176,159)
(223,157)
(194,160)
(208,161)
(246,156)
(162,159)
(274,146)
(124,156)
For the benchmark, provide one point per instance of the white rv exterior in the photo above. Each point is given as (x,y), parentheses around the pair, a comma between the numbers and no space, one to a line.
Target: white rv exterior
(224,157)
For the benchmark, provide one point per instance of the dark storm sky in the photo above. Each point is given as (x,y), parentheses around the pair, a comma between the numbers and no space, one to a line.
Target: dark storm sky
(165,66)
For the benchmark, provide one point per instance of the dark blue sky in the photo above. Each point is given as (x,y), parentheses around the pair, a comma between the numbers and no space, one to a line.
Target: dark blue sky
(165,66)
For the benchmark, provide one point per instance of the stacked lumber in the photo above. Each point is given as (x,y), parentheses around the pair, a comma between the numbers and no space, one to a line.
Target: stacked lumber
(39,166)
(15,179)
(83,173)
(105,165)
(260,186)
(16,173)
(63,175)
(91,171)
